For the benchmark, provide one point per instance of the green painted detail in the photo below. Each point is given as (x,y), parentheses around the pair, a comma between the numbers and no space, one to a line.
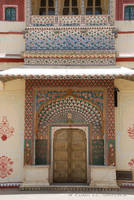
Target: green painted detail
(41,147)
(98,152)
(28,152)
(111,152)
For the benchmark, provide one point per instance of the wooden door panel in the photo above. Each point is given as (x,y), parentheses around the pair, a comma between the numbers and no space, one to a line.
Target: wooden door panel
(78,165)
(77,136)
(70,156)
(61,146)
(77,147)
(61,165)
(78,155)
(61,155)
(61,177)
(62,135)
(78,173)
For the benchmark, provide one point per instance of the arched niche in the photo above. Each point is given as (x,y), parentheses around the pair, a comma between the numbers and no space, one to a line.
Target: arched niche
(58,112)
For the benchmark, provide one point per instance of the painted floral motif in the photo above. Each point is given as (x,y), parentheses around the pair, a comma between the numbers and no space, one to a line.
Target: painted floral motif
(5,166)
(111,154)
(131,163)
(131,132)
(5,130)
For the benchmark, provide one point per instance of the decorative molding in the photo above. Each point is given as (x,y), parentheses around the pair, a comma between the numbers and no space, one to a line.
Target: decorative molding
(9,185)
(106,59)
(12,33)
(126,32)
(15,60)
(125,59)
(64,61)
(127,185)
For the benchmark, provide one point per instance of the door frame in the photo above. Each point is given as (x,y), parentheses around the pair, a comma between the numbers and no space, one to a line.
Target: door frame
(53,129)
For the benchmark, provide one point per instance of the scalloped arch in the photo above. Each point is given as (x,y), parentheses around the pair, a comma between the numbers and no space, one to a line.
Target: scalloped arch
(88,111)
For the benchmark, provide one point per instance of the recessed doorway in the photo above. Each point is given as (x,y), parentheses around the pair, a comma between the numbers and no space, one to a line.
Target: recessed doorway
(70,156)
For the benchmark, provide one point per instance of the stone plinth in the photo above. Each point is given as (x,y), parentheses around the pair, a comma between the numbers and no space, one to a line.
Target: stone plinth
(35,176)
(103,177)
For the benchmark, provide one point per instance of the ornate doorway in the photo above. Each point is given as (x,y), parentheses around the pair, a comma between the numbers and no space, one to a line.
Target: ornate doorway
(69,156)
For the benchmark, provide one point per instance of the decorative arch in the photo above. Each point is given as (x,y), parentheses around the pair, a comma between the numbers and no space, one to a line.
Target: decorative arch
(49,112)
(104,103)
(82,112)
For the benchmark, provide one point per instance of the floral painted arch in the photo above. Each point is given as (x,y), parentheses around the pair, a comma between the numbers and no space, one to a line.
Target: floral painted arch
(87,112)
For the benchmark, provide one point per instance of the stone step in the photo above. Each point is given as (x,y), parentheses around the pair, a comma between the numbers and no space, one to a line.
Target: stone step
(61,188)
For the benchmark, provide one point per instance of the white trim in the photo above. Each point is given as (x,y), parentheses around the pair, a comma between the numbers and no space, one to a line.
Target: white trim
(9,6)
(44,72)
(124,5)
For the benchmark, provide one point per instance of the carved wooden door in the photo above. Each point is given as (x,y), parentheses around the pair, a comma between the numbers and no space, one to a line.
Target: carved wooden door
(69,154)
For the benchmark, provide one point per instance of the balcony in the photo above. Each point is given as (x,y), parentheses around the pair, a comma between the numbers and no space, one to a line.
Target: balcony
(71,20)
(70,40)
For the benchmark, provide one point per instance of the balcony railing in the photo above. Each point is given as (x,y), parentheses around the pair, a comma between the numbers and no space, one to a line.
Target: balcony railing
(71,20)
(70,40)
